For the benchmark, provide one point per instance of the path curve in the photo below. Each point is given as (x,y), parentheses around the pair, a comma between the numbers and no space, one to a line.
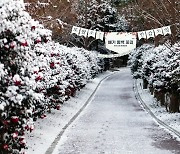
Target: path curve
(56,140)
(113,122)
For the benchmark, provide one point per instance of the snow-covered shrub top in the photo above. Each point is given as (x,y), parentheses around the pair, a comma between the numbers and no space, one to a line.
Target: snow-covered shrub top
(99,15)
(36,74)
(136,59)
(160,66)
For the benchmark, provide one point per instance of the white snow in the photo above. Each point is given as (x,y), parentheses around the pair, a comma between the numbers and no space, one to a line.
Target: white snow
(48,128)
(171,119)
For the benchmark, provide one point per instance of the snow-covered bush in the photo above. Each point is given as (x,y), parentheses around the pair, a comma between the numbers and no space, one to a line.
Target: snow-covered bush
(136,59)
(159,67)
(36,74)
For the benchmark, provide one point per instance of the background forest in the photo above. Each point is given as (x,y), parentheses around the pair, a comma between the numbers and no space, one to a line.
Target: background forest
(112,15)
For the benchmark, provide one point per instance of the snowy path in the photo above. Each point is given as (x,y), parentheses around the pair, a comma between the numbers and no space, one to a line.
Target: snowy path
(114,123)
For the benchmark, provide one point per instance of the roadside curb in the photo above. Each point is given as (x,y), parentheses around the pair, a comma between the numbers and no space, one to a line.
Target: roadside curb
(56,140)
(138,97)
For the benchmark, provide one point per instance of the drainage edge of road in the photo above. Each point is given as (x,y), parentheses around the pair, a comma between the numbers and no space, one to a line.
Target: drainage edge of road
(57,139)
(138,97)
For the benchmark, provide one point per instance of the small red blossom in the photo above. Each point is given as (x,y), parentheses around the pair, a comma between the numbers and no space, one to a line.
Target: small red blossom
(37,41)
(15,135)
(33,28)
(53,54)
(21,138)
(39,78)
(52,65)
(12,45)
(6,122)
(26,127)
(35,72)
(31,128)
(17,83)
(5,146)
(58,107)
(43,116)
(15,119)
(24,44)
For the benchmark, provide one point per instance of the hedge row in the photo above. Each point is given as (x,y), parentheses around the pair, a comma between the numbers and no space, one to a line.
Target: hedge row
(36,74)
(159,67)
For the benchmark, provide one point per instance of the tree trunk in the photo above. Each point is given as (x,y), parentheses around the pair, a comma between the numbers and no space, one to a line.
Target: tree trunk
(151,89)
(174,103)
(161,97)
(145,84)
(173,20)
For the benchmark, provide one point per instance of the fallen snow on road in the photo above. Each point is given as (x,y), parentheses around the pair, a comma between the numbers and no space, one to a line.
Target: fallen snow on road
(171,119)
(114,123)
(47,129)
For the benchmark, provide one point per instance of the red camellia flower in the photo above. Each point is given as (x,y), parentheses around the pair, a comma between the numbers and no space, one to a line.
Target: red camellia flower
(52,65)
(6,122)
(35,72)
(39,78)
(22,141)
(43,116)
(24,44)
(31,128)
(58,107)
(53,54)
(15,134)
(17,83)
(14,119)
(26,127)
(33,28)
(5,146)
(38,41)
(12,45)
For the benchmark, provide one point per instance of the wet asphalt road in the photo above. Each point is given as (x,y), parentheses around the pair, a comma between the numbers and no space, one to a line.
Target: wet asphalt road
(115,123)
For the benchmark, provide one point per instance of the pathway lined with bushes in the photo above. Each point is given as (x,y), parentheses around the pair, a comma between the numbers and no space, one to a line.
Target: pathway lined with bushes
(114,122)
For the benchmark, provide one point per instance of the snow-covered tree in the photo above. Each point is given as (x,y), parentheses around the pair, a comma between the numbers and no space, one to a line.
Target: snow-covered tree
(36,74)
(159,68)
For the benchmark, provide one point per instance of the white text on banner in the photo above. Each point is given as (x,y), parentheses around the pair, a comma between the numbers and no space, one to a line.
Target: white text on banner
(120,42)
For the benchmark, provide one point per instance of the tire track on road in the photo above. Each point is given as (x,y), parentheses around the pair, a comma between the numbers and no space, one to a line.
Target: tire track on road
(55,142)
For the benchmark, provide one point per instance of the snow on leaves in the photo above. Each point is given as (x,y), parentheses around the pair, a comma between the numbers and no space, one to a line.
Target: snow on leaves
(160,68)
(36,74)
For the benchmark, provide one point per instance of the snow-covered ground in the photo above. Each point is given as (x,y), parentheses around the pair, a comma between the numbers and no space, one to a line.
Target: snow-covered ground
(47,129)
(115,123)
(171,119)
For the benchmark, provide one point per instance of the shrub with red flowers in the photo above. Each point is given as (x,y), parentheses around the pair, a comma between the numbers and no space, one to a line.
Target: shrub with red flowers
(36,74)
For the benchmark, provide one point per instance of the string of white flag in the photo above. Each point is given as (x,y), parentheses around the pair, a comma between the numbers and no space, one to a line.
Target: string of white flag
(154,32)
(120,42)
(141,35)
